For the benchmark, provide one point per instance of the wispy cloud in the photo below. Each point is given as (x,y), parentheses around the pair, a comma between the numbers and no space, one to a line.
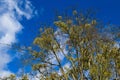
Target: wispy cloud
(11,12)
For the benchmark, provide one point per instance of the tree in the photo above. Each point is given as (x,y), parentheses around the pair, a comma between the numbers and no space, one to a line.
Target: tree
(89,53)
(85,48)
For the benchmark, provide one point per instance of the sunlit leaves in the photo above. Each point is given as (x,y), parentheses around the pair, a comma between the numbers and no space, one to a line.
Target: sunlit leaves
(25,77)
(39,66)
(93,22)
(75,12)
(63,26)
(60,17)
(85,49)
(46,41)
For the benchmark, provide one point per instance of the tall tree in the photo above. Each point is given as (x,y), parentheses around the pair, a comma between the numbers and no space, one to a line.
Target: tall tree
(87,48)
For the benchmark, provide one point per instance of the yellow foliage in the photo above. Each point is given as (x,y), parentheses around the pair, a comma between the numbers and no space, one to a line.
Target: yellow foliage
(62,25)
(60,17)
(74,12)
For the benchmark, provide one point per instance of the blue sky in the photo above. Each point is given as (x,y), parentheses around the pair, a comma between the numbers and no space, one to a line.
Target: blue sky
(20,22)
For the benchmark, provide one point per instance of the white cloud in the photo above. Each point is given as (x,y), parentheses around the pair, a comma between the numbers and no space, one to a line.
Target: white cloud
(9,26)
(4,74)
(11,12)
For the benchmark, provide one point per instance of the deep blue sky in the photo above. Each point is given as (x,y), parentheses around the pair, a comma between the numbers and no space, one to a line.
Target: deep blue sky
(106,11)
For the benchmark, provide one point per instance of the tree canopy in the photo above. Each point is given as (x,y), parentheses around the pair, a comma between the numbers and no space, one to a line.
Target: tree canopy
(79,48)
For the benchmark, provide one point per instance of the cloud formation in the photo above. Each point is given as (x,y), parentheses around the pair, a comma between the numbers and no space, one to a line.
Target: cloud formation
(11,13)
